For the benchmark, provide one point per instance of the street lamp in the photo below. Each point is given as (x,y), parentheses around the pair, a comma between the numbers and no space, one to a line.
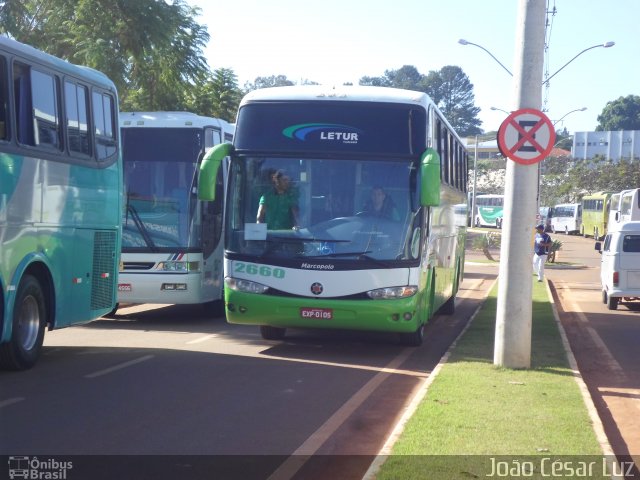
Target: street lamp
(569,113)
(462,41)
(603,45)
(499,110)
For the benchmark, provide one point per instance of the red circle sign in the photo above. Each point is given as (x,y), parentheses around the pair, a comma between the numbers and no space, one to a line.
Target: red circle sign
(526,136)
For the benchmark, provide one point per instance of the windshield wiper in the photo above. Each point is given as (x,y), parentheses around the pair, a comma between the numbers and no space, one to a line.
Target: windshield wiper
(141,228)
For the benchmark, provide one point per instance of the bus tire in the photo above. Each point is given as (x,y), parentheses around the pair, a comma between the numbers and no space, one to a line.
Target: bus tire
(413,339)
(28,325)
(272,333)
(604,297)
(112,313)
(449,307)
(213,309)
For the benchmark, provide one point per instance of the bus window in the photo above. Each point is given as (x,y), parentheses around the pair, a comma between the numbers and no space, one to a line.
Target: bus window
(77,118)
(4,99)
(46,112)
(103,117)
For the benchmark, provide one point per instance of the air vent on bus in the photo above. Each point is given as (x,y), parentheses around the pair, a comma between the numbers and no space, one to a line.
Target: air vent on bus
(104,275)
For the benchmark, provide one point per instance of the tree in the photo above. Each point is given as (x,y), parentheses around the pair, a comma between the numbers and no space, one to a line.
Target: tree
(456,100)
(152,50)
(266,82)
(449,88)
(219,96)
(620,114)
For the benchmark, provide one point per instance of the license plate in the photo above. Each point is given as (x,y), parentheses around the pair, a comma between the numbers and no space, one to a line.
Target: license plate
(124,287)
(316,313)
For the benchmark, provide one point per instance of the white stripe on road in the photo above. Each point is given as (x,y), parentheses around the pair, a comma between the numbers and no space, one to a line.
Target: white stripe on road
(202,339)
(298,458)
(611,362)
(10,401)
(120,366)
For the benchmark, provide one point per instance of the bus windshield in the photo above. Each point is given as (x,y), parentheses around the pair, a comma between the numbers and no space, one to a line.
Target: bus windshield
(342,209)
(159,181)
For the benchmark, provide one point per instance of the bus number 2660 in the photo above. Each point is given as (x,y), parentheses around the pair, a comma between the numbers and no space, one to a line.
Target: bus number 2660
(261,270)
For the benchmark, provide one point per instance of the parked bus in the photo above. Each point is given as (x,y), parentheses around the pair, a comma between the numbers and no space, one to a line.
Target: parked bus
(595,214)
(171,241)
(567,218)
(489,211)
(341,265)
(60,198)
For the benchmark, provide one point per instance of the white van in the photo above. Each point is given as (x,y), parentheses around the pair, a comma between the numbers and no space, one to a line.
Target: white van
(620,265)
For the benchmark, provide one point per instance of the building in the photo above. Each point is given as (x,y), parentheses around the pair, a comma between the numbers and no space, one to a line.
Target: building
(615,146)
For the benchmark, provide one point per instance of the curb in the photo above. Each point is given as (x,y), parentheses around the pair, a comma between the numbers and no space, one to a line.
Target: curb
(410,409)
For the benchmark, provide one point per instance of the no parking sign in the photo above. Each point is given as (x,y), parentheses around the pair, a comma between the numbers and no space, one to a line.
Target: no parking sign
(526,136)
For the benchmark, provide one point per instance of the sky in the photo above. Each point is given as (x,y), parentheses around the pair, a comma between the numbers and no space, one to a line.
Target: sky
(338,41)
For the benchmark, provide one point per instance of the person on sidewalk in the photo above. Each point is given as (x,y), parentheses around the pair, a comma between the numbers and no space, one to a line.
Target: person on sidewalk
(541,246)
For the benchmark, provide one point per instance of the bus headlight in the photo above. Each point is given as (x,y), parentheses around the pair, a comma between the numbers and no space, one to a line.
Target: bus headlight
(171,266)
(247,286)
(392,292)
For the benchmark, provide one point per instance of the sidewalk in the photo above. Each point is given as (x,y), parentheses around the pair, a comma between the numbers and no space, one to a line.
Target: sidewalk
(475,420)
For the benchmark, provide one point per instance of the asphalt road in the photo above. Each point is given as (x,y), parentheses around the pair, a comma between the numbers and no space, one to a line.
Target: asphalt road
(163,380)
(604,342)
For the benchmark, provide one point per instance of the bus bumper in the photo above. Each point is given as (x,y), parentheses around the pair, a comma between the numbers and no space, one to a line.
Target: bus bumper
(397,315)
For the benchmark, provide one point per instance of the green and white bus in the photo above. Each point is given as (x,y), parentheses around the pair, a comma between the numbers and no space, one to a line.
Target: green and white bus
(595,214)
(343,266)
(489,211)
(60,198)
(171,241)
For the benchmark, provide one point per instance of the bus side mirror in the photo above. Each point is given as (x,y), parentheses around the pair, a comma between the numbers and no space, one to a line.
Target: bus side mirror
(598,247)
(430,178)
(617,216)
(209,170)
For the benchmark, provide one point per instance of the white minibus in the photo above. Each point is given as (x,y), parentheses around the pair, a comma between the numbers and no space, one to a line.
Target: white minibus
(567,218)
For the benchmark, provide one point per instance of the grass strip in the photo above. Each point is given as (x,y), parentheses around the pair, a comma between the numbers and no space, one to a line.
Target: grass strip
(475,412)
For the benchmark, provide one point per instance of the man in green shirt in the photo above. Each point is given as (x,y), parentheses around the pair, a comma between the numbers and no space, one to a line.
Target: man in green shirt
(279,207)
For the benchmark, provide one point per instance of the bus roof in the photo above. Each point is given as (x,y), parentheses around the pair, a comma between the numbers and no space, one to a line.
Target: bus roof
(36,56)
(351,93)
(171,120)
(345,93)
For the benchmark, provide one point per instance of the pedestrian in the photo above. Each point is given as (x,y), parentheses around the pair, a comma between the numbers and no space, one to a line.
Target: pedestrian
(541,245)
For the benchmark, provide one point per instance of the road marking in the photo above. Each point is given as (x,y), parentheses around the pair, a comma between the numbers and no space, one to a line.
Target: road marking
(298,458)
(10,401)
(611,362)
(120,366)
(202,339)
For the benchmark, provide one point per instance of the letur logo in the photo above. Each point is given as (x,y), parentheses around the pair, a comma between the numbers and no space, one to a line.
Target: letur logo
(330,132)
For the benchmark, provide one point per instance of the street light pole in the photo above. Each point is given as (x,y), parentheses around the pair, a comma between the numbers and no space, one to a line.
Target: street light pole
(462,41)
(603,45)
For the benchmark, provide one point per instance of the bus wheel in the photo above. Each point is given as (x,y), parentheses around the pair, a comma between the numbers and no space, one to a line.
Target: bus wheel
(112,313)
(604,297)
(449,307)
(272,333)
(413,339)
(29,320)
(612,303)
